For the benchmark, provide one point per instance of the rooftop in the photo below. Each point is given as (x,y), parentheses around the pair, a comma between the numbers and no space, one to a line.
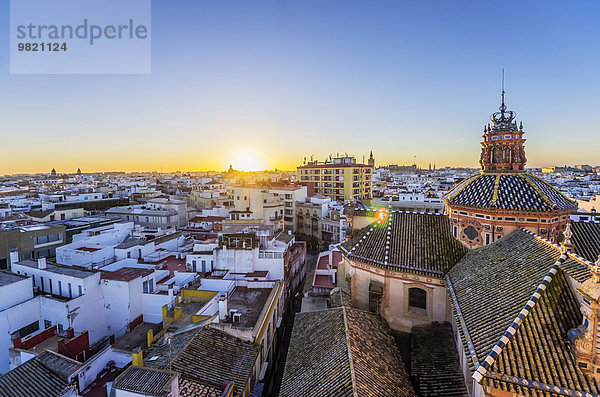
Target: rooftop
(519,283)
(72,271)
(137,337)
(324,260)
(418,243)
(435,366)
(88,249)
(129,242)
(147,381)
(343,352)
(509,192)
(249,302)
(126,274)
(213,357)
(172,264)
(7,278)
(44,375)
(586,238)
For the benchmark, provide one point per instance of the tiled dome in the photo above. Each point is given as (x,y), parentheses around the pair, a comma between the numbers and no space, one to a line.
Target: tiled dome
(508,192)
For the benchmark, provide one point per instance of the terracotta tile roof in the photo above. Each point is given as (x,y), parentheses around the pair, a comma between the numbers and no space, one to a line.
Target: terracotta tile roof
(435,366)
(419,243)
(147,381)
(539,351)
(586,237)
(490,285)
(343,352)
(213,358)
(285,237)
(335,298)
(189,388)
(43,376)
(508,192)
(514,307)
(130,242)
(317,363)
(126,274)
(376,362)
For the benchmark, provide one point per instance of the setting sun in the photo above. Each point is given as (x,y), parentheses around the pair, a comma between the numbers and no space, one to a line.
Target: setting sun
(247,160)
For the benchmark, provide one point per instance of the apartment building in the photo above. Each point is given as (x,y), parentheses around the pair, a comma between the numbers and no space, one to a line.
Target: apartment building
(321,218)
(340,178)
(30,242)
(271,204)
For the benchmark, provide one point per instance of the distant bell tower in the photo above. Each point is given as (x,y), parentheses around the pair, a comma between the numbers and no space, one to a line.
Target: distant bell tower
(371,160)
(503,144)
(53,172)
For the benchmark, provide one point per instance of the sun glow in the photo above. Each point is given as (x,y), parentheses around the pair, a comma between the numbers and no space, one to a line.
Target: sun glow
(247,160)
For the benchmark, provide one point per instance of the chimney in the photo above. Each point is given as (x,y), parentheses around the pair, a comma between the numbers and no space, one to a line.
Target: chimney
(42,263)
(14,256)
(331,259)
(223,308)
(137,357)
(170,292)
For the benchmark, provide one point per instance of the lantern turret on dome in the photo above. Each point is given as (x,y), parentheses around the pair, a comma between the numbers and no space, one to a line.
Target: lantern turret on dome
(503,196)
(503,144)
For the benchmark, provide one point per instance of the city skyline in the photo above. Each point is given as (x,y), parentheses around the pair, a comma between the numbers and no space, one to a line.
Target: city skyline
(272,83)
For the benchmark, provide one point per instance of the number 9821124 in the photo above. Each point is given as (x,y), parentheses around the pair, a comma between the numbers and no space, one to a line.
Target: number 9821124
(37,47)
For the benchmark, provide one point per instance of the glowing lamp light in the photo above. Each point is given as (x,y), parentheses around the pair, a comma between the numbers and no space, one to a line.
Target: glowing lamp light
(381,215)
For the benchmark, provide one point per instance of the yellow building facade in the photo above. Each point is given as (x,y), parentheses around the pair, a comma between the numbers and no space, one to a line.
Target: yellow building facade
(341,179)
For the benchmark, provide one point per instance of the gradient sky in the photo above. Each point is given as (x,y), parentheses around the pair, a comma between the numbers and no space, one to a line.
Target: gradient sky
(280,80)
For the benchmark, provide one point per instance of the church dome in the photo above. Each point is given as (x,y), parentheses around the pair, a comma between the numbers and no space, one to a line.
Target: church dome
(508,192)
(503,196)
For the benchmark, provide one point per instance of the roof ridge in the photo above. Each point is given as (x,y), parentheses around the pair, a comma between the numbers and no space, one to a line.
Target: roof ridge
(541,238)
(361,239)
(514,326)
(415,212)
(569,254)
(463,184)
(537,385)
(462,324)
(539,191)
(494,201)
(543,181)
(349,350)
(386,259)
(588,221)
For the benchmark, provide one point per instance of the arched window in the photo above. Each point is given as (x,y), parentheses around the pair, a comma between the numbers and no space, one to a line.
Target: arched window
(495,155)
(417,298)
(507,155)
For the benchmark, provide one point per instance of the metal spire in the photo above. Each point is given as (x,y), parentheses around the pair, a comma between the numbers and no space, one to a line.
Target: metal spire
(503,106)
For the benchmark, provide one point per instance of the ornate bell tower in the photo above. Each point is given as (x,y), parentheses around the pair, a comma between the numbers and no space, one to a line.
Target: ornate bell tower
(503,142)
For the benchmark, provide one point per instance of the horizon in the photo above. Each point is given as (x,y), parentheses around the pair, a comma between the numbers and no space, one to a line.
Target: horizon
(273,170)
(270,83)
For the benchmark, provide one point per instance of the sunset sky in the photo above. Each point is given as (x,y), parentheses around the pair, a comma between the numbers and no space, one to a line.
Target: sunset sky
(263,84)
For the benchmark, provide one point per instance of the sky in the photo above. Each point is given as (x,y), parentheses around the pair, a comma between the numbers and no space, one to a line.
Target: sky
(263,84)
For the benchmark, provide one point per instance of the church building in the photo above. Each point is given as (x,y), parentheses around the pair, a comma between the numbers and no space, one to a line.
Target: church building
(503,197)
